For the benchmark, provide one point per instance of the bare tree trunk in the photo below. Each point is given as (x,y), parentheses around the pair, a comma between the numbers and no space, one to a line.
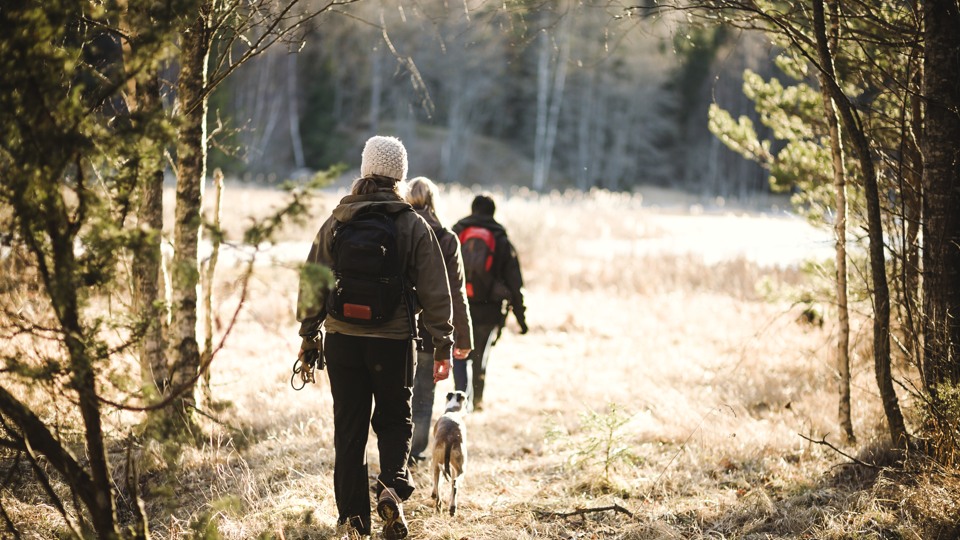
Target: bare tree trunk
(376,88)
(843,314)
(184,352)
(270,105)
(840,234)
(103,512)
(913,197)
(60,273)
(39,440)
(145,100)
(584,140)
(146,265)
(549,99)
(556,96)
(543,100)
(941,190)
(61,278)
(452,153)
(294,113)
(210,269)
(881,290)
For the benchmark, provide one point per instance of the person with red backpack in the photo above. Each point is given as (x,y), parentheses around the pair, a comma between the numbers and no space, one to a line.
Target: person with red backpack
(387,266)
(494,287)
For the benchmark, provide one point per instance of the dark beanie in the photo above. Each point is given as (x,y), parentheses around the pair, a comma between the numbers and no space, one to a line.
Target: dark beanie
(483,205)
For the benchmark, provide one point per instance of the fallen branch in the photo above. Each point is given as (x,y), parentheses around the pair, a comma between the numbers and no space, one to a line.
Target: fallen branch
(585,511)
(823,442)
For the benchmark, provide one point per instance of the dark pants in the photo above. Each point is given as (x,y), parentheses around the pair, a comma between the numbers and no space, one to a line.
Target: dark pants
(423,395)
(364,370)
(483,337)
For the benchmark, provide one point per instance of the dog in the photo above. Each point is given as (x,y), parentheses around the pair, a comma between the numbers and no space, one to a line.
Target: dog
(450,449)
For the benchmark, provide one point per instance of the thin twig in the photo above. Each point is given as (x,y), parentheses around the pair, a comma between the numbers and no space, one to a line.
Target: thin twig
(823,442)
(683,445)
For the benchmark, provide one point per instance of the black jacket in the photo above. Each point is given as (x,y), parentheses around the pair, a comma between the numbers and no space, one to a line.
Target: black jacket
(506,269)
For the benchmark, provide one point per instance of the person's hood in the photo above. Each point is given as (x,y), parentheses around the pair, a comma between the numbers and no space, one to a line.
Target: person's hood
(351,205)
(479,220)
(429,217)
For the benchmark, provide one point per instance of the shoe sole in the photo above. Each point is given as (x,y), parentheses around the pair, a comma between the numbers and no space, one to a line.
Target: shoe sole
(393,526)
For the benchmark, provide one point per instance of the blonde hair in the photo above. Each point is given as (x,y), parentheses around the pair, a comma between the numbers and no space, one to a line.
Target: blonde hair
(422,193)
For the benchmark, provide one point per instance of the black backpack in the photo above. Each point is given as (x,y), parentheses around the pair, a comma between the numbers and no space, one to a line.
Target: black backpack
(369,284)
(477,246)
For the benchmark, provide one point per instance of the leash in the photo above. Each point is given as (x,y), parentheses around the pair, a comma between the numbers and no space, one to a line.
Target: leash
(306,364)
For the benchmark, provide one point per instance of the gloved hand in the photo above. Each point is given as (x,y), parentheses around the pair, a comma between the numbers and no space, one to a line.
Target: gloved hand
(310,357)
(304,367)
(311,351)
(309,343)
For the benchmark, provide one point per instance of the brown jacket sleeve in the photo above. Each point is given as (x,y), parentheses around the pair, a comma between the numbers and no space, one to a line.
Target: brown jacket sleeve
(315,281)
(507,269)
(429,275)
(462,324)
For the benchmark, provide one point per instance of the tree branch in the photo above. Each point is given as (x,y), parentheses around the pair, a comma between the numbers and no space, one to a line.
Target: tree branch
(584,511)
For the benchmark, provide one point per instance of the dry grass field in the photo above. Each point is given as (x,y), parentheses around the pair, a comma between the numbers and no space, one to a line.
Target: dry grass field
(660,393)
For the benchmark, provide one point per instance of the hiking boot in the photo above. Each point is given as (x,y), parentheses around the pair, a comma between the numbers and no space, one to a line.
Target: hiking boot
(390,509)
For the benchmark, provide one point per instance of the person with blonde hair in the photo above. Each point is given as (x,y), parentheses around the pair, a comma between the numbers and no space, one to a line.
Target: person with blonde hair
(387,264)
(422,195)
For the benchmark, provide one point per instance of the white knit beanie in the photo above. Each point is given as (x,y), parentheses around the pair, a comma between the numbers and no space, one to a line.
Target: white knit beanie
(384,156)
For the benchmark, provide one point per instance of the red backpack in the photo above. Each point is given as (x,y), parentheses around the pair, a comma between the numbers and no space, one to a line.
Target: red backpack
(477,244)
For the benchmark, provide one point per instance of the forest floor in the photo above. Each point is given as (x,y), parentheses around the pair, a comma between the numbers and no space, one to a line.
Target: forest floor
(663,391)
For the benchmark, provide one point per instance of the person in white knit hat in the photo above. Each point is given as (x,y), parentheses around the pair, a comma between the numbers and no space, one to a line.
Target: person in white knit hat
(369,343)
(384,156)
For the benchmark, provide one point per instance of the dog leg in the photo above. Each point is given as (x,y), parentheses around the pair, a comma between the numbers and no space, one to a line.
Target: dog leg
(453,495)
(436,484)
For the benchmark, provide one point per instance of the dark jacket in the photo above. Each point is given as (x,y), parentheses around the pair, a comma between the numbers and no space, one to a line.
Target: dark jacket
(425,271)
(506,270)
(450,247)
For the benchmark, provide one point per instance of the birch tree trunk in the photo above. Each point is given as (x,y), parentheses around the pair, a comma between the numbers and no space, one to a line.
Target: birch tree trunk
(184,352)
(209,273)
(543,100)
(584,140)
(941,197)
(453,153)
(294,112)
(549,99)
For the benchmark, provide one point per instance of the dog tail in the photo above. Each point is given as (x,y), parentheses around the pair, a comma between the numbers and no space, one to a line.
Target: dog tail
(446,461)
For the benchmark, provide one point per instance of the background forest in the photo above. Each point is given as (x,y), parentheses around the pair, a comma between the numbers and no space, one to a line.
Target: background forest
(730,373)
(545,96)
